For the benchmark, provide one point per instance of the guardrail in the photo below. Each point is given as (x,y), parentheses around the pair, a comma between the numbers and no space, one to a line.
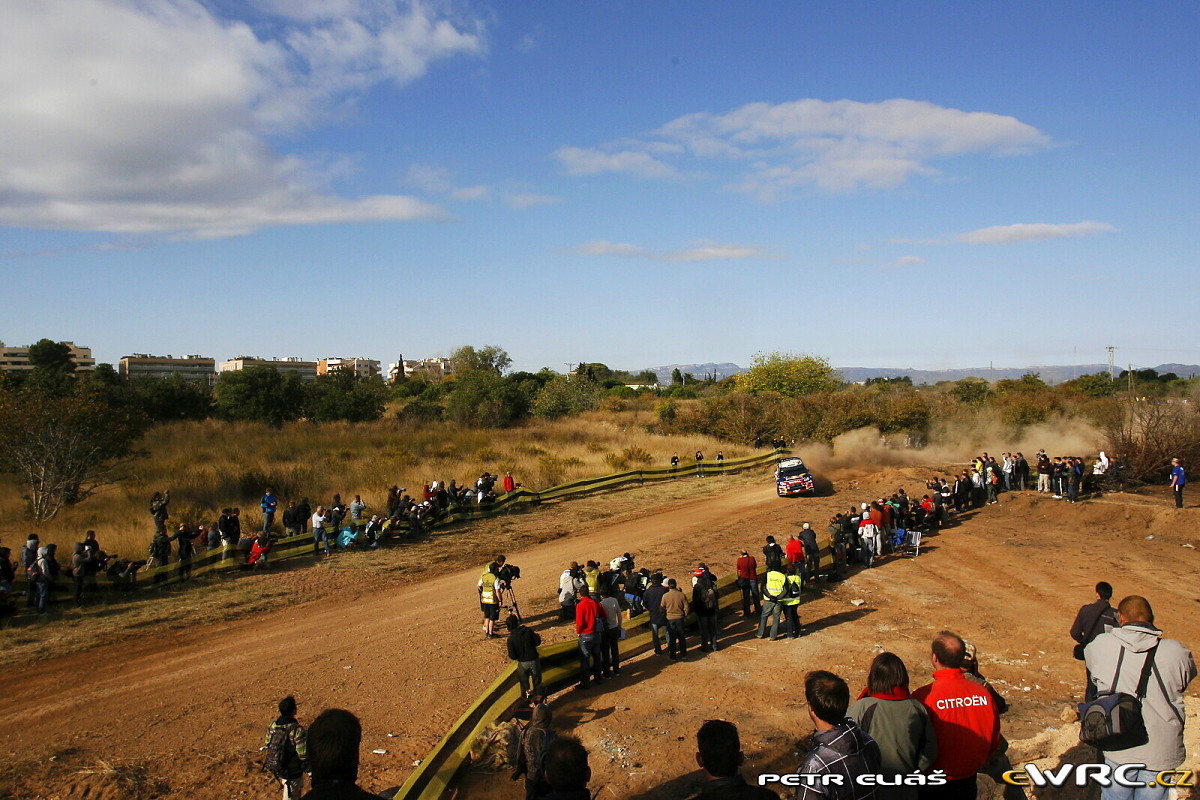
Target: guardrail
(215,561)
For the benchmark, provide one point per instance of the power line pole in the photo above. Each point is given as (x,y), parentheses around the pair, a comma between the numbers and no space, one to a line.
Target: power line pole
(1111,349)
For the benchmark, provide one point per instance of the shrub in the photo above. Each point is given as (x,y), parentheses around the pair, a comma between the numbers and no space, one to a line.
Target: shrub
(616,462)
(636,455)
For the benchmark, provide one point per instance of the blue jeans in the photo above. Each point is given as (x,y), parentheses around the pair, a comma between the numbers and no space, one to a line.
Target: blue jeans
(771,610)
(655,627)
(589,658)
(268,520)
(1143,792)
(707,623)
(320,539)
(43,595)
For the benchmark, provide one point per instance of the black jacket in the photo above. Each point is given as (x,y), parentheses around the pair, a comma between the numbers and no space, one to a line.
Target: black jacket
(523,644)
(1092,620)
(652,600)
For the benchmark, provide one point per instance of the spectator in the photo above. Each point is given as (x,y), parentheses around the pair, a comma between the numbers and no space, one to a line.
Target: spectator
(337,513)
(93,547)
(29,556)
(720,458)
(772,554)
(719,754)
(185,542)
(304,514)
(43,574)
(268,504)
(509,483)
(747,581)
(705,605)
(7,575)
(374,531)
(899,725)
(1115,661)
(839,746)
(229,536)
(260,550)
(812,555)
(793,587)
(1178,480)
(700,463)
(81,559)
(357,507)
(333,741)
(675,609)
(569,584)
(794,550)
(610,646)
(565,762)
(160,549)
(320,535)
(773,594)
(159,503)
(523,645)
(1092,620)
(587,612)
(965,721)
(212,537)
(292,520)
(652,599)
(534,740)
(287,750)
(674,461)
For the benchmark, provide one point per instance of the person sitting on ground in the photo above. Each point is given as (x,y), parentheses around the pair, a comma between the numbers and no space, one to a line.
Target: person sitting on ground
(289,738)
(333,741)
(899,725)
(839,746)
(374,531)
(565,763)
(534,740)
(262,546)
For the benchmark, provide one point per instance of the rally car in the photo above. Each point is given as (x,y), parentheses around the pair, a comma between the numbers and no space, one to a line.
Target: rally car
(793,479)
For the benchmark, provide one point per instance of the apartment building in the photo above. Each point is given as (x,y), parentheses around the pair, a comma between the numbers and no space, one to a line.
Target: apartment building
(361,367)
(435,368)
(17,358)
(307,370)
(197,368)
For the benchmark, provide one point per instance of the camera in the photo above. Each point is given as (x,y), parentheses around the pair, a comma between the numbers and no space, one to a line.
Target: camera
(508,573)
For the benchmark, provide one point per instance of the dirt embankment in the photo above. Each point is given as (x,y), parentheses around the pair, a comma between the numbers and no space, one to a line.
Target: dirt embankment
(180,712)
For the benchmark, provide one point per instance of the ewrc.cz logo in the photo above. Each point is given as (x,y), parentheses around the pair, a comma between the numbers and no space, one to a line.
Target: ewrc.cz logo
(935,778)
(1099,774)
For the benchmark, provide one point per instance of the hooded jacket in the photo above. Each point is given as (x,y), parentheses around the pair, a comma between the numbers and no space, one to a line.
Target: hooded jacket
(904,732)
(1162,707)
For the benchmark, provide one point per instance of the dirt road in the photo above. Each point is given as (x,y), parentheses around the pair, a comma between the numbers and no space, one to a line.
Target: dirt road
(181,713)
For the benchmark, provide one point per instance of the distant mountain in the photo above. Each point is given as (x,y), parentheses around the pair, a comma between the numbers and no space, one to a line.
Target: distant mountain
(1056,373)
(697,370)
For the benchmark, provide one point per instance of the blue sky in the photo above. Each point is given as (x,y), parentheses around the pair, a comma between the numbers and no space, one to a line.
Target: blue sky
(923,185)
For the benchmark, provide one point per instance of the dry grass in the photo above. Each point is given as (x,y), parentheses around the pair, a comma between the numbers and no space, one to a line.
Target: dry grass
(210,465)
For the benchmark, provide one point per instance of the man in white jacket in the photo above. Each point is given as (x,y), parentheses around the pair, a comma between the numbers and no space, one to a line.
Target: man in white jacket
(1115,661)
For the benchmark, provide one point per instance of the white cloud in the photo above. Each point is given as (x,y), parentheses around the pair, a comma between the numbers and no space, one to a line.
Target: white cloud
(529,200)
(1032,232)
(908,261)
(702,250)
(580,161)
(436,180)
(842,145)
(161,124)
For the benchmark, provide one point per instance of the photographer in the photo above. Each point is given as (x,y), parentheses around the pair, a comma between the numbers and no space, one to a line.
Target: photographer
(569,585)
(489,596)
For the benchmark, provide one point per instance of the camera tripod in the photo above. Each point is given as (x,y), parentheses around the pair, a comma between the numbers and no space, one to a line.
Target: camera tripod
(508,599)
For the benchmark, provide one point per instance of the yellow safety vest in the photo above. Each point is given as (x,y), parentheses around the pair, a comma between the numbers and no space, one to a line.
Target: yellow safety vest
(487,594)
(592,577)
(799,584)
(775,582)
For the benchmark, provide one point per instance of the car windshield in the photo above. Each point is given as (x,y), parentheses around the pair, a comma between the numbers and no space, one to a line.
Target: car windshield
(792,470)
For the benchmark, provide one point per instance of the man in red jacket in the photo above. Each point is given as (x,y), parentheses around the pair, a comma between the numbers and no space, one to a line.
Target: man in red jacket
(747,581)
(586,612)
(965,720)
(794,550)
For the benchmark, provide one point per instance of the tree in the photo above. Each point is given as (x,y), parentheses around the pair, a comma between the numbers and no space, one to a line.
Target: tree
(486,359)
(789,375)
(971,391)
(645,378)
(342,396)
(566,395)
(172,398)
(64,448)
(49,355)
(1099,384)
(676,377)
(260,394)
(482,400)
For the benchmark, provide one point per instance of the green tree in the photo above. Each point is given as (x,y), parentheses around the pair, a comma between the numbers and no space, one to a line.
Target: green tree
(971,391)
(645,378)
(566,395)
(789,375)
(172,398)
(484,359)
(49,355)
(341,396)
(676,377)
(483,400)
(63,448)
(260,394)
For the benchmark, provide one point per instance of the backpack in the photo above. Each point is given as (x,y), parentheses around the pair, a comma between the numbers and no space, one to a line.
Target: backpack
(281,751)
(774,557)
(1114,721)
(791,589)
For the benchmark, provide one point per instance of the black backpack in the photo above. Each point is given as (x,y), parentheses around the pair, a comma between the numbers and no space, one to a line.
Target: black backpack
(281,751)
(774,556)
(1114,721)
